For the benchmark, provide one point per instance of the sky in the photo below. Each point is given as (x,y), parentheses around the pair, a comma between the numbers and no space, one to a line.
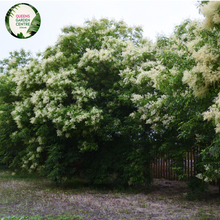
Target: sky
(155,16)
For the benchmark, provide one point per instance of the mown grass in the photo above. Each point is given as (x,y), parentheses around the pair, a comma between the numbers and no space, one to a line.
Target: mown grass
(37,217)
(29,196)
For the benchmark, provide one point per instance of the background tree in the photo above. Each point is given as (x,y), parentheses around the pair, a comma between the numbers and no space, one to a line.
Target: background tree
(11,150)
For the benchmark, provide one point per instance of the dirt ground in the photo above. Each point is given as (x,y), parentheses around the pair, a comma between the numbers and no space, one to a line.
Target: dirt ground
(163,200)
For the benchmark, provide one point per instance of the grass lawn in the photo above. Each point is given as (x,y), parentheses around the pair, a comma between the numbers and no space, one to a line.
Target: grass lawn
(28,196)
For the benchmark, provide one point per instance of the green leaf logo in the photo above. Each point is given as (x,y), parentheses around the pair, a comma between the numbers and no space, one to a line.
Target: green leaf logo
(20,35)
(22,20)
(35,24)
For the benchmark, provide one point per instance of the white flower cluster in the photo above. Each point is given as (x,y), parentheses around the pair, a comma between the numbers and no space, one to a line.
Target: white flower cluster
(208,178)
(214,113)
(150,112)
(58,57)
(136,97)
(40,140)
(131,53)
(128,75)
(191,44)
(144,75)
(153,108)
(191,79)
(12,61)
(20,107)
(137,73)
(110,42)
(31,161)
(44,104)
(211,12)
(96,56)
(88,146)
(39,149)
(117,122)
(204,57)
(24,76)
(80,94)
(109,46)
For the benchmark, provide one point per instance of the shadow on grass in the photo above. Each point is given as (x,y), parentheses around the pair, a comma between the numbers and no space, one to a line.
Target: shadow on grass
(80,185)
(7,174)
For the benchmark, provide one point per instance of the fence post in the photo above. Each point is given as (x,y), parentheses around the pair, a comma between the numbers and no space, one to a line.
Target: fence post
(218,183)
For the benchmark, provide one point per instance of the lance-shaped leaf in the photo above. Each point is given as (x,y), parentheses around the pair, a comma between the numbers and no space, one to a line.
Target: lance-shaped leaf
(8,15)
(35,24)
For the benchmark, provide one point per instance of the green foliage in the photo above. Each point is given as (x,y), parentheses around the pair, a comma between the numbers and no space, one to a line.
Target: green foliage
(105,97)
(16,59)
(197,189)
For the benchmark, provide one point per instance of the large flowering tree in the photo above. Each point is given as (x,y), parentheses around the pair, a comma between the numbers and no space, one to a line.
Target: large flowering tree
(204,79)
(74,106)
(109,99)
(186,78)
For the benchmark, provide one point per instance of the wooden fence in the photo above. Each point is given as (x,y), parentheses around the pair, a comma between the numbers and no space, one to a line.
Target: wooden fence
(162,170)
